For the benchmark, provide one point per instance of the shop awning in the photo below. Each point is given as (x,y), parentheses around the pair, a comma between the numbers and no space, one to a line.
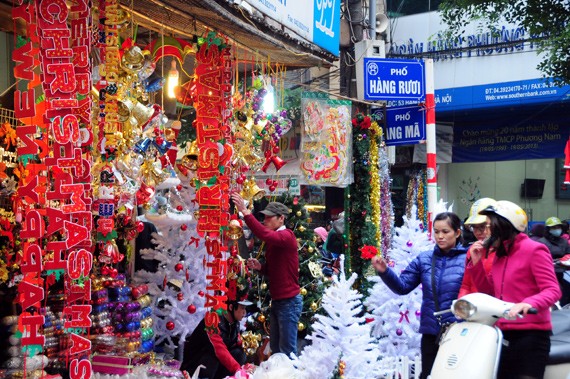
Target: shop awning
(262,36)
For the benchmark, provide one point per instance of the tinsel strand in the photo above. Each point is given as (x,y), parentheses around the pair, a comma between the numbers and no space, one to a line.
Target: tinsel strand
(375,183)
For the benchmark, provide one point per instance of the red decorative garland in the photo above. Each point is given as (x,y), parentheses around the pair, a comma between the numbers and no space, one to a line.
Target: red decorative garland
(213,89)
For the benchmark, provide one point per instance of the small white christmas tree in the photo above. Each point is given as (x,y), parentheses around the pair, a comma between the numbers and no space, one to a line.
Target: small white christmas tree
(396,318)
(177,287)
(341,337)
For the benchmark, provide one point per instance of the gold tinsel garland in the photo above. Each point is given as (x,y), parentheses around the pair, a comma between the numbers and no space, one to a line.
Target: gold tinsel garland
(375,182)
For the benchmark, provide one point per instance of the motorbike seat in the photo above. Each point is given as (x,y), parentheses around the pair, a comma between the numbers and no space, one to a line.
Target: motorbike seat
(560,339)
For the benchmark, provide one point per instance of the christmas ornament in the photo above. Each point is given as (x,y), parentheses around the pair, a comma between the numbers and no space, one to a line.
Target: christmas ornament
(170,325)
(191,309)
(303,292)
(300,327)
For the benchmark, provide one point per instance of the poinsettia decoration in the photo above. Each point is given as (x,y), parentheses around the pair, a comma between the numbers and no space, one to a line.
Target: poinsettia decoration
(361,121)
(368,251)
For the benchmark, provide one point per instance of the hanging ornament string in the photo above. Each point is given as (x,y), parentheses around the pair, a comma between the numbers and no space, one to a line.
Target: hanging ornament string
(375,182)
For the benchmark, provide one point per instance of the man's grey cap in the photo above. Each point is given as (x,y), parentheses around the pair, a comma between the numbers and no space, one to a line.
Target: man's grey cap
(276,209)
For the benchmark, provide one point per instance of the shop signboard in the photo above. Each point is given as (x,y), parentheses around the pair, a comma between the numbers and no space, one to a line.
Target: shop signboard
(318,21)
(539,136)
(520,92)
(394,79)
(285,184)
(481,69)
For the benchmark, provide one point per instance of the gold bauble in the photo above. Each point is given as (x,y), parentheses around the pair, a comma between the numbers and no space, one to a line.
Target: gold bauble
(146,206)
(314,307)
(261,318)
(300,326)
(299,213)
(303,291)
(301,228)
(310,249)
(264,286)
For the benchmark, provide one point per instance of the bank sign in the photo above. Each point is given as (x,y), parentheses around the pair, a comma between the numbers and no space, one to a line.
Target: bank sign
(318,21)
(394,79)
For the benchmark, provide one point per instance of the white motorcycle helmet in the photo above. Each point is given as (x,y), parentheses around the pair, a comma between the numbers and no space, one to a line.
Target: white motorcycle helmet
(474,217)
(509,210)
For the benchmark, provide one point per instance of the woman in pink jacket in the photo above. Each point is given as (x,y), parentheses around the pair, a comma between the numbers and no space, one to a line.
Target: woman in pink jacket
(522,273)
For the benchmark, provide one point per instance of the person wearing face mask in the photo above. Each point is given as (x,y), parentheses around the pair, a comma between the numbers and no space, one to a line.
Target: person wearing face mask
(558,248)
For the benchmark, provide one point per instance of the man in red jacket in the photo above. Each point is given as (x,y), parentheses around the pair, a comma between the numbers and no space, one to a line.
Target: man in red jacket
(281,268)
(221,353)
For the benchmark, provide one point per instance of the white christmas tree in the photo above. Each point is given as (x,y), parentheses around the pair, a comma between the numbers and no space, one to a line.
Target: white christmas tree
(177,287)
(396,318)
(341,338)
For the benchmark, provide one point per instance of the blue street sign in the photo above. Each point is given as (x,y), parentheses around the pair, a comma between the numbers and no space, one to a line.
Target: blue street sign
(405,126)
(394,79)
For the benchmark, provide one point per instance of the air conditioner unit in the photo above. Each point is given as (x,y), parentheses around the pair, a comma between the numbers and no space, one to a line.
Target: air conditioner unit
(366,49)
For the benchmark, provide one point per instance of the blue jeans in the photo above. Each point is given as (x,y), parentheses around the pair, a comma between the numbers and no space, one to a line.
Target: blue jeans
(284,320)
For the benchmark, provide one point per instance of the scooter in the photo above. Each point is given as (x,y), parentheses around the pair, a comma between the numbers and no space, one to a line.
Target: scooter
(472,349)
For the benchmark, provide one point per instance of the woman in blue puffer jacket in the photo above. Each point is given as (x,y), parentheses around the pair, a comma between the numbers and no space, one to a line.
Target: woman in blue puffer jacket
(441,269)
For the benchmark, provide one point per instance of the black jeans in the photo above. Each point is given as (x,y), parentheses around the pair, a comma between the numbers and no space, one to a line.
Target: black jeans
(429,348)
(526,354)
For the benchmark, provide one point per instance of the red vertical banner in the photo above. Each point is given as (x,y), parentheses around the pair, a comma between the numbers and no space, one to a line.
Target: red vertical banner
(55,191)
(32,182)
(213,89)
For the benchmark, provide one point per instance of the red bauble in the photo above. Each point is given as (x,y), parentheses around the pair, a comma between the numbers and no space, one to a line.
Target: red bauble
(275,183)
(230,261)
(179,187)
(179,267)
(114,273)
(201,293)
(159,140)
(272,188)
(183,227)
(140,226)
(179,208)
(180,296)
(170,325)
(275,149)
(268,181)
(240,180)
(191,309)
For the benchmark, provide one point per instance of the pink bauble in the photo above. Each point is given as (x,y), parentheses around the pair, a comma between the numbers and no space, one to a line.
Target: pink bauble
(399,332)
